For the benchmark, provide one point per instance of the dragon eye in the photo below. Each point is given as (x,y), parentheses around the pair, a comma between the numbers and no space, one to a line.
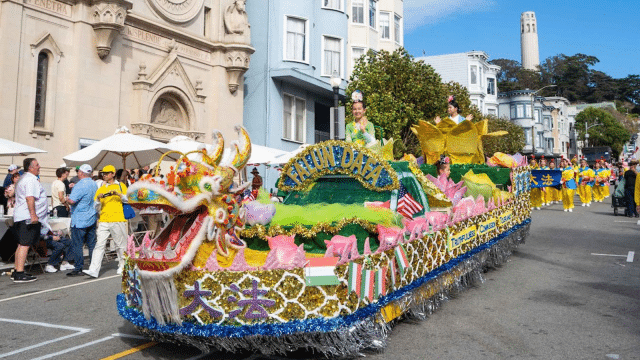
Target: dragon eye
(207,187)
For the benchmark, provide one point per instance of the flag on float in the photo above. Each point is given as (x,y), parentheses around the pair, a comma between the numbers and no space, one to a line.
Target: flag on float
(381,282)
(355,277)
(392,270)
(401,258)
(320,271)
(407,205)
(368,284)
(247,195)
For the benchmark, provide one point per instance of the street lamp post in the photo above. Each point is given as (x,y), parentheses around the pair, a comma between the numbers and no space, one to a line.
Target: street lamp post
(533,120)
(335,84)
(586,131)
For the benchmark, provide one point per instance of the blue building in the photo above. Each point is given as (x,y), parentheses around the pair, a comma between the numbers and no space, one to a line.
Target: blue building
(287,92)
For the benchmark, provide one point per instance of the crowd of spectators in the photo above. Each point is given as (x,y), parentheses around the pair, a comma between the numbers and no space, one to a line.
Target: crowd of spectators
(93,202)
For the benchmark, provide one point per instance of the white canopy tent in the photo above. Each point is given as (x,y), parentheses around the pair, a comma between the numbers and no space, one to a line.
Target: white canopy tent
(12,148)
(120,149)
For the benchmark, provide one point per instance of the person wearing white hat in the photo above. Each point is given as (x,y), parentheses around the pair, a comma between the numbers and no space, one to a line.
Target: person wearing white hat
(83,217)
(12,169)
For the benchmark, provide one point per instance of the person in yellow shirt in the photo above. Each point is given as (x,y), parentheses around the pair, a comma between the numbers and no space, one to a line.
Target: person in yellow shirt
(586,182)
(536,193)
(111,195)
(554,194)
(600,180)
(544,191)
(568,185)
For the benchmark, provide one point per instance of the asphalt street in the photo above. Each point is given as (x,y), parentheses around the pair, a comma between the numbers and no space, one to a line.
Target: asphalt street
(568,293)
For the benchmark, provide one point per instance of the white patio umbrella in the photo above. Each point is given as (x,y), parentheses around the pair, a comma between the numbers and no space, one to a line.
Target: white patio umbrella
(264,155)
(12,148)
(120,148)
(283,159)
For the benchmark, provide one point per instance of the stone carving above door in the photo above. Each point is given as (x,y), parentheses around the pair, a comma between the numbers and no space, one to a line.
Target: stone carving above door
(176,11)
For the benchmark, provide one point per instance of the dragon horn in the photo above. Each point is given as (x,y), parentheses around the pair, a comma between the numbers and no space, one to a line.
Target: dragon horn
(242,153)
(213,158)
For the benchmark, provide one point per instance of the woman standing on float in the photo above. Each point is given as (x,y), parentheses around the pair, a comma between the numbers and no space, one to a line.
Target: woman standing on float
(453,110)
(360,131)
(568,185)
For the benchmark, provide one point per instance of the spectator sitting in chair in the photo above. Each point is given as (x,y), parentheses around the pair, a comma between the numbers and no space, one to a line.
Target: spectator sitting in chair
(59,245)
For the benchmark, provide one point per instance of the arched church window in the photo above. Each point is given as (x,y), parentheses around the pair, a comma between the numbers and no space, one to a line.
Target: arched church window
(533,27)
(523,28)
(528,28)
(41,89)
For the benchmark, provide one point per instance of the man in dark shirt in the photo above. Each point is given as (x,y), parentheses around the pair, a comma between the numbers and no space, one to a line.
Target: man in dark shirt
(629,188)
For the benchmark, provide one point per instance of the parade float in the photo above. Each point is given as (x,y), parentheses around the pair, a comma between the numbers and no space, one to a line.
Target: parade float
(359,242)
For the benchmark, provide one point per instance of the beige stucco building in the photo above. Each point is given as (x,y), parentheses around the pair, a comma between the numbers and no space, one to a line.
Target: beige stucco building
(374,25)
(72,71)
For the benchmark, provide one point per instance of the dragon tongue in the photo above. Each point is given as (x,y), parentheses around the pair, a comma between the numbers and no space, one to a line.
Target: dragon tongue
(176,230)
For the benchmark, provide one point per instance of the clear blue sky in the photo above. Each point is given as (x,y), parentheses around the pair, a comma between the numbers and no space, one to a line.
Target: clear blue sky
(606,29)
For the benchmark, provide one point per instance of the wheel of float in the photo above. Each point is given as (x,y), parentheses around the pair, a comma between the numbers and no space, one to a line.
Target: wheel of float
(615,211)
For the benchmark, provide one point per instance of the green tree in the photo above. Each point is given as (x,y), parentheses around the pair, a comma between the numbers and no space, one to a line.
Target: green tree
(398,92)
(511,143)
(611,133)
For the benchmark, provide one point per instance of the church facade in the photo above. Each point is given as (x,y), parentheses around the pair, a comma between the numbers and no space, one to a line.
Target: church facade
(73,71)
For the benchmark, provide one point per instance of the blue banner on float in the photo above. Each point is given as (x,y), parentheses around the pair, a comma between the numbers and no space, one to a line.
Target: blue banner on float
(545,178)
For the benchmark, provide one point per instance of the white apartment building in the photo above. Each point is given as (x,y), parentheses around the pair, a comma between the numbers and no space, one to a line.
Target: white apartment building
(373,25)
(549,125)
(471,70)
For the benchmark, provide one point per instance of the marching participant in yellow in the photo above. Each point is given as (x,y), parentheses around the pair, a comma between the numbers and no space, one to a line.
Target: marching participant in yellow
(586,182)
(568,185)
(554,195)
(575,166)
(536,193)
(600,179)
(607,168)
(546,201)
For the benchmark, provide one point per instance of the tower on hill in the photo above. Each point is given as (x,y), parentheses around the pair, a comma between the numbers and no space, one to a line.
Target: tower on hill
(529,41)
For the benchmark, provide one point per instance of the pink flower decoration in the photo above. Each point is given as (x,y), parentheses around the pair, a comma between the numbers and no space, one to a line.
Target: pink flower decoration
(339,243)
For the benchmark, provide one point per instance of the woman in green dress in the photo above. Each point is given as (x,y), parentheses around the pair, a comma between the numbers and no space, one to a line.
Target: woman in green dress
(360,131)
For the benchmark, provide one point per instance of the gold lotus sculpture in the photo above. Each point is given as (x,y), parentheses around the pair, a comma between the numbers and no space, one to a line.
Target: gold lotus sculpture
(461,142)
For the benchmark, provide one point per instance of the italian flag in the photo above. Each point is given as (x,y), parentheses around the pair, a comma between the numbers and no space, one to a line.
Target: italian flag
(381,282)
(368,284)
(320,271)
(401,258)
(392,270)
(355,277)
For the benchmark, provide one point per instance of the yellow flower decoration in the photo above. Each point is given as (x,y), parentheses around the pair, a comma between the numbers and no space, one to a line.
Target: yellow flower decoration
(462,142)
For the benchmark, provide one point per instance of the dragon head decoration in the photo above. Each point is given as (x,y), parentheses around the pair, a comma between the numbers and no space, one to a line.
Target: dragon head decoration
(202,197)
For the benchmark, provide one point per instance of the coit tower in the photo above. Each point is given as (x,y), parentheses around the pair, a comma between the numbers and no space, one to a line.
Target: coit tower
(529,41)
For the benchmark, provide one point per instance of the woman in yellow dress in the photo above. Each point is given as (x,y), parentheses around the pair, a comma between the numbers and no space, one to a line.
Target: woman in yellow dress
(536,193)
(545,194)
(568,185)
(554,194)
(600,179)
(586,182)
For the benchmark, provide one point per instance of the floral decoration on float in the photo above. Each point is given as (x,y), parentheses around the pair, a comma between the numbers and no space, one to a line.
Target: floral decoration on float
(356,244)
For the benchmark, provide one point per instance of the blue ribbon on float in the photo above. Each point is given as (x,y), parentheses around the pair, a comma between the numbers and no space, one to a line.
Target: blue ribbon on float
(299,326)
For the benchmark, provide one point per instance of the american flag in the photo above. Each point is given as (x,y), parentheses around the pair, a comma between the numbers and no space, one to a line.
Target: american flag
(248,195)
(407,205)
